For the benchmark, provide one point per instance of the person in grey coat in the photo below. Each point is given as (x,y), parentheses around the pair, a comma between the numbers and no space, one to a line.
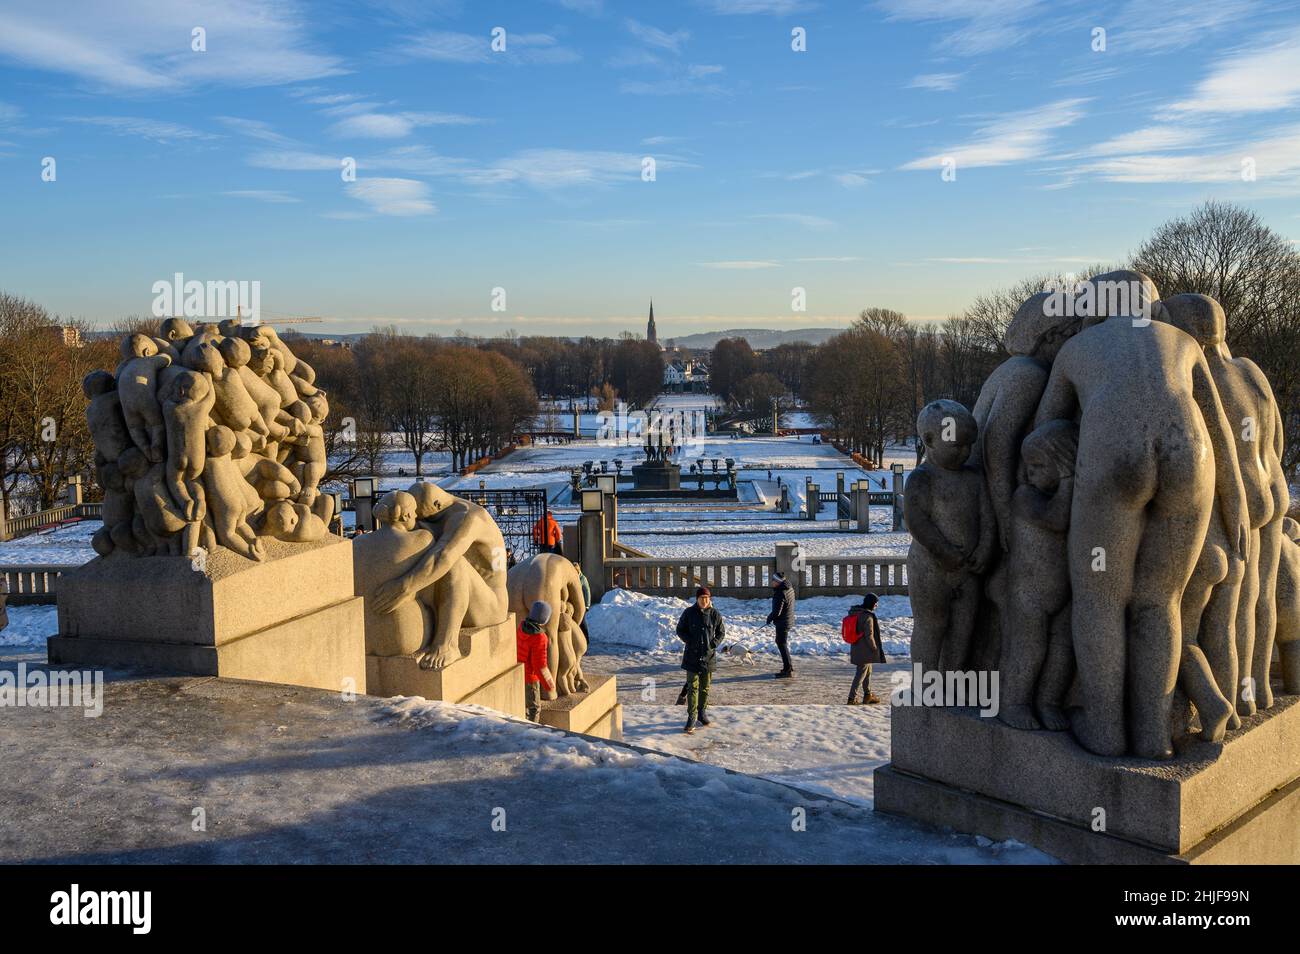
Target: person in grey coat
(867,650)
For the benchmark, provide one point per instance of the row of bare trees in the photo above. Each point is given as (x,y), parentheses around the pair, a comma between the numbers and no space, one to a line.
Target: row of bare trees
(43,434)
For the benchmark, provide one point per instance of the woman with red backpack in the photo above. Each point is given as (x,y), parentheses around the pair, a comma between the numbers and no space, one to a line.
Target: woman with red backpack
(861,630)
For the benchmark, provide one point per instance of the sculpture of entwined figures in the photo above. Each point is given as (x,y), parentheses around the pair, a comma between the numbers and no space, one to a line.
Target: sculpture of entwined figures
(207,436)
(1139,556)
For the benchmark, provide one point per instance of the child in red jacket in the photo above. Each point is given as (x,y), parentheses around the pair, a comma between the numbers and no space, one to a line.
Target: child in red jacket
(530,642)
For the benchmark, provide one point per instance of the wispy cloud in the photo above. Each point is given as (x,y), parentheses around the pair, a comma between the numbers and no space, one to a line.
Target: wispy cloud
(653,36)
(145,46)
(938,82)
(744,266)
(984,26)
(797,218)
(368,125)
(152,129)
(254,129)
(398,197)
(1257,80)
(1160,26)
(521,48)
(1012,137)
(778,8)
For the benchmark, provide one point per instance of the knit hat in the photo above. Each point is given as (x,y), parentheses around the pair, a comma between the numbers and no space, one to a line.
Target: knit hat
(540,612)
(703,591)
(870,600)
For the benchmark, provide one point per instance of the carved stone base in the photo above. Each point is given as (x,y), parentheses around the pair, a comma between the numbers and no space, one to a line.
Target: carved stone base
(595,712)
(488,672)
(292,619)
(1230,802)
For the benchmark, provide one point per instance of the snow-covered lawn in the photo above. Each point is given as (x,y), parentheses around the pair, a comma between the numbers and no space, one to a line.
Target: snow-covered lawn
(638,621)
(62,546)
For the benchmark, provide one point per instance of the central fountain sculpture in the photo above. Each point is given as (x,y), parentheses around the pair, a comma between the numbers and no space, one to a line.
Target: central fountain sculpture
(1105,533)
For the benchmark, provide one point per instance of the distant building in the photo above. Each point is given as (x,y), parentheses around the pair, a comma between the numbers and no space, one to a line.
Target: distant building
(651,334)
(684,376)
(68,336)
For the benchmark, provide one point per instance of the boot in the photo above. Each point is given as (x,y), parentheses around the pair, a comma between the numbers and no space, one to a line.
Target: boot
(704,719)
(853,701)
(690,725)
(681,697)
(784,674)
(871,699)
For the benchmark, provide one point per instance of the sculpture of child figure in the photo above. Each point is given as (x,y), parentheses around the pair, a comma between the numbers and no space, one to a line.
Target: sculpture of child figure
(1037,660)
(947,508)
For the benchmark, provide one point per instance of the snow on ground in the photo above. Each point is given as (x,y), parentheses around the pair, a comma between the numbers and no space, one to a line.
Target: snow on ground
(29,626)
(830,749)
(638,621)
(62,546)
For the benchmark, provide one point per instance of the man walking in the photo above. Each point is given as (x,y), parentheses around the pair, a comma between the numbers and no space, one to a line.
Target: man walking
(782,616)
(861,629)
(547,534)
(701,631)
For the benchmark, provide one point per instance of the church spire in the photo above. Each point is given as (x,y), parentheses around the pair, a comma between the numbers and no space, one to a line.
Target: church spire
(650,332)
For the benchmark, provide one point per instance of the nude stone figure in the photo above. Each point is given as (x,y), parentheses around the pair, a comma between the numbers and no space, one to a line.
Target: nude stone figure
(137,389)
(104,417)
(394,549)
(464,572)
(554,580)
(226,493)
(1256,425)
(1288,606)
(947,509)
(1037,662)
(1156,445)
(186,403)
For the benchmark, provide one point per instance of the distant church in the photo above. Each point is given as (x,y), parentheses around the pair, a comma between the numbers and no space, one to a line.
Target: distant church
(651,334)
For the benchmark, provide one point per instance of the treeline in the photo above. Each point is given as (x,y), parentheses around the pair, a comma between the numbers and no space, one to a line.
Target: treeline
(427,393)
(562,368)
(43,432)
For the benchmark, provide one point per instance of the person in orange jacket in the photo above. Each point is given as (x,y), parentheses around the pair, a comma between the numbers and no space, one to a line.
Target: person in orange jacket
(530,645)
(547,535)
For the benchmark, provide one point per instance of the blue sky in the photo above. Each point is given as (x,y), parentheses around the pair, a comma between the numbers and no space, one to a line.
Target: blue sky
(775,169)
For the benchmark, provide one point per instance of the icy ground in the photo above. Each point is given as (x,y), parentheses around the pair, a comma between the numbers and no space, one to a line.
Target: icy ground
(290,775)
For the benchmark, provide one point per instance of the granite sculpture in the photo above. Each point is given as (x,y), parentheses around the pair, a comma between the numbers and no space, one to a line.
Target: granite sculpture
(554,580)
(199,444)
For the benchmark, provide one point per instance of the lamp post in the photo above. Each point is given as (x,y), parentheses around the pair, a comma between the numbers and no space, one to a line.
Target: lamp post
(899,523)
(363,501)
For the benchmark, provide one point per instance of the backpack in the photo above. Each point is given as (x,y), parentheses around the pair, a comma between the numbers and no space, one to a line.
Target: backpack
(849,628)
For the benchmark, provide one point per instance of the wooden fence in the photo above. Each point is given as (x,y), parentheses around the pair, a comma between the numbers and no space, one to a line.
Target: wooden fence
(31,585)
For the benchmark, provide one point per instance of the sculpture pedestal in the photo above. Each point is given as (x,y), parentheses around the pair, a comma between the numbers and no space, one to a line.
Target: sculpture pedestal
(291,619)
(487,674)
(595,712)
(1233,802)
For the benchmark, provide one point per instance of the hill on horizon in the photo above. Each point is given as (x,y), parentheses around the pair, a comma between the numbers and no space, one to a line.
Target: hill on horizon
(759,338)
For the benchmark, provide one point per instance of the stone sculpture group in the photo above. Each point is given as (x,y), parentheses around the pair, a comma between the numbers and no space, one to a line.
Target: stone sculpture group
(436,565)
(207,436)
(1107,528)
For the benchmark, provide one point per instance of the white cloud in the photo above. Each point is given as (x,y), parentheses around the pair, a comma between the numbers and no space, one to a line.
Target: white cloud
(144,46)
(1250,81)
(254,129)
(739,266)
(986,25)
(151,129)
(369,125)
(653,36)
(1012,137)
(446,47)
(778,8)
(400,197)
(1159,26)
(938,82)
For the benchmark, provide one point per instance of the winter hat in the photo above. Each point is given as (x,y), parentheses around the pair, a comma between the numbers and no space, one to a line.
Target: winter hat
(703,591)
(540,612)
(870,600)
(778,577)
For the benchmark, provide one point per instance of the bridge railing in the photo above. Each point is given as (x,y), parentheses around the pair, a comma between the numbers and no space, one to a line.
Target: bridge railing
(751,577)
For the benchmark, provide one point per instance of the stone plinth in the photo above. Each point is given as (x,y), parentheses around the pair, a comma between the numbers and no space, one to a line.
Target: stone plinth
(595,712)
(291,619)
(656,475)
(1230,802)
(487,674)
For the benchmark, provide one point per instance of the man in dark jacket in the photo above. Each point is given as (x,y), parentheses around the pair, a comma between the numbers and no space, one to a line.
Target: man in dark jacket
(700,629)
(867,650)
(782,616)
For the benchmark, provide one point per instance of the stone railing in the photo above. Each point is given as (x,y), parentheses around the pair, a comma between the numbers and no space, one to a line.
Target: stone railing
(30,585)
(751,577)
(32,522)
